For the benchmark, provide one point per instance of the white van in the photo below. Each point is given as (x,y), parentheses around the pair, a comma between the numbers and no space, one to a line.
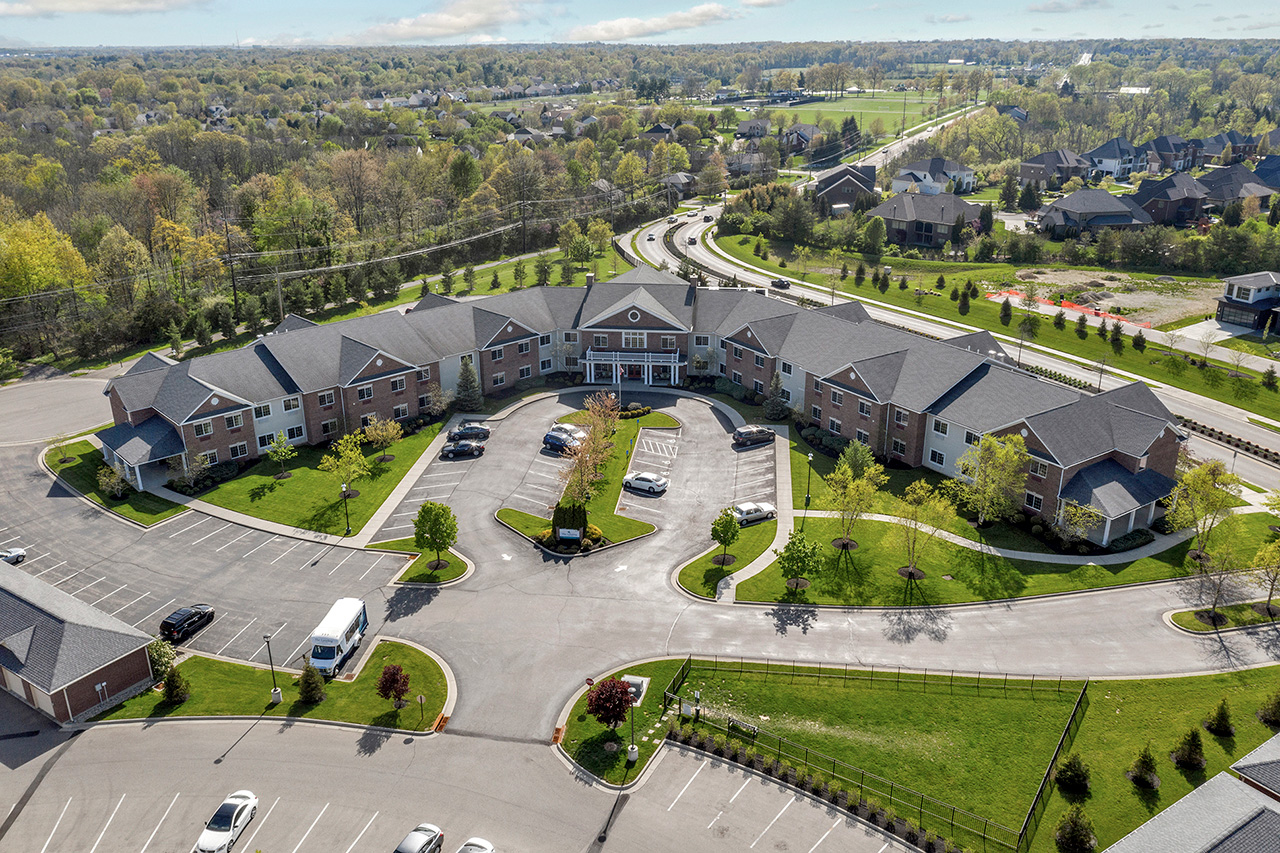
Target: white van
(338,634)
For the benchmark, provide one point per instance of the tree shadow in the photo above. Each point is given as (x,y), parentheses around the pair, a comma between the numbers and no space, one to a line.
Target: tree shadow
(329,516)
(845,577)
(593,755)
(1226,742)
(260,491)
(1223,650)
(405,601)
(1149,797)
(789,615)
(987,576)
(904,624)
(371,739)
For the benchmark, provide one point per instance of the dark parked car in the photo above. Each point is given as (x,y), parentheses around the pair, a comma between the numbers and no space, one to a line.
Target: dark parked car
(470,432)
(461,448)
(708,218)
(182,623)
(559,442)
(780,283)
(745,436)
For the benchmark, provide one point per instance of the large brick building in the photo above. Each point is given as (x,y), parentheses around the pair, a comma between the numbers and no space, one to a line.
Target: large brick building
(912,400)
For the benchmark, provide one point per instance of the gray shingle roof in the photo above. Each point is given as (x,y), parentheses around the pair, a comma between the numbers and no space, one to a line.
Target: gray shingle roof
(292,321)
(1207,820)
(1268,171)
(1113,490)
(980,342)
(852,312)
(941,208)
(935,167)
(149,361)
(150,441)
(1262,765)
(1176,187)
(1233,182)
(1093,426)
(53,639)
(1116,148)
(1258,834)
(1061,158)
(991,397)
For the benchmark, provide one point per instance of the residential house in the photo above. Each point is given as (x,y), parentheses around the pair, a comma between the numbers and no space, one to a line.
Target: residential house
(1060,164)
(680,185)
(62,656)
(934,176)
(1169,153)
(846,184)
(1236,182)
(745,163)
(1267,172)
(798,138)
(753,128)
(1018,114)
(660,132)
(607,191)
(916,219)
(911,399)
(1173,200)
(1251,300)
(1116,158)
(1226,148)
(1091,210)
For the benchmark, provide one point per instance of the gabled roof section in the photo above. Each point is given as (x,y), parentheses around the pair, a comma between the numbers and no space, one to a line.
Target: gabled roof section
(991,397)
(1176,187)
(1115,148)
(769,333)
(851,311)
(1114,490)
(671,303)
(1262,765)
(354,356)
(981,342)
(291,322)
(1094,426)
(149,361)
(150,441)
(1061,158)
(489,333)
(941,208)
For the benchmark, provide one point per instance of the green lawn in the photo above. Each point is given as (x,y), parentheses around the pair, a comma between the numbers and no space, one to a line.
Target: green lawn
(310,498)
(523,522)
(985,314)
(1237,615)
(1264,425)
(1253,344)
(868,576)
(1180,324)
(702,575)
(419,571)
(219,688)
(81,473)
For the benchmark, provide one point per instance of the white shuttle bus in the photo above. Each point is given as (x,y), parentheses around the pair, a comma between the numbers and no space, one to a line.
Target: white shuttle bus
(338,634)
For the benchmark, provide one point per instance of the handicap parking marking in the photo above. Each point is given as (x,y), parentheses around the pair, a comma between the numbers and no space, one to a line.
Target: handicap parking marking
(153,612)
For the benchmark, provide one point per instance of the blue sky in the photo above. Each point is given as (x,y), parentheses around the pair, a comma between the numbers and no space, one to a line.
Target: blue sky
(217,22)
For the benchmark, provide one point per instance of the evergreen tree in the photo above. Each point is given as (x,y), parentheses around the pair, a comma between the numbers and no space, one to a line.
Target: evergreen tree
(1060,320)
(1029,198)
(902,283)
(963,307)
(1103,328)
(1009,194)
(860,275)
(844,270)
(495,283)
(1269,378)
(469,277)
(1219,723)
(176,688)
(1074,832)
(1143,770)
(311,685)
(1082,327)
(200,329)
(1190,750)
(1006,312)
(469,397)
(986,219)
(955,293)
(1139,341)
(174,334)
(446,277)
(942,282)
(542,271)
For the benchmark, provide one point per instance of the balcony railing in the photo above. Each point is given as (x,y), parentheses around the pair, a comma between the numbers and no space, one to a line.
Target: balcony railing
(595,356)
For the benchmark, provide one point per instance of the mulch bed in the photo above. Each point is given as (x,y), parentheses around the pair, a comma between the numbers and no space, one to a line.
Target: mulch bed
(283,475)
(723,560)
(437,565)
(842,544)
(911,573)
(1210,618)
(350,493)
(797,583)
(385,458)
(1267,611)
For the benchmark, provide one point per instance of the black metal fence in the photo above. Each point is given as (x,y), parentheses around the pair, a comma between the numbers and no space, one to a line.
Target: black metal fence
(1038,804)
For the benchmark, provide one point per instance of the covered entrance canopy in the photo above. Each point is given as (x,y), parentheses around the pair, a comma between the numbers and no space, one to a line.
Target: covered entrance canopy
(153,440)
(651,368)
(1124,499)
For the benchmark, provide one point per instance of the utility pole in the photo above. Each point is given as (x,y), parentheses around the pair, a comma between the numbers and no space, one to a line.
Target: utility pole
(279,296)
(231,265)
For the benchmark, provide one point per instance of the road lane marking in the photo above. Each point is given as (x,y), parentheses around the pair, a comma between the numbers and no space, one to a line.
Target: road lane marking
(238,633)
(686,785)
(135,601)
(344,559)
(249,844)
(831,830)
(108,595)
(375,563)
(55,826)
(277,559)
(104,829)
(775,820)
(192,527)
(313,826)
(153,612)
(735,796)
(51,568)
(362,832)
(214,533)
(157,829)
(268,542)
(234,541)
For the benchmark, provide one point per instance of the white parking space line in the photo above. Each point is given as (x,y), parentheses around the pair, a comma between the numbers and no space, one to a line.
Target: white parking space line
(282,556)
(687,784)
(315,558)
(214,533)
(375,563)
(740,790)
(344,559)
(135,601)
(309,828)
(77,573)
(538,501)
(264,645)
(362,832)
(55,826)
(108,595)
(10,539)
(86,586)
(632,506)
(548,476)
(541,488)
(248,845)
(398,527)
(104,829)
(157,829)
(237,636)
(294,653)
(772,822)
(51,568)
(185,529)
(755,482)
(33,559)
(434,486)
(268,542)
(438,474)
(153,612)
(548,462)
(752,496)
(234,541)
(831,830)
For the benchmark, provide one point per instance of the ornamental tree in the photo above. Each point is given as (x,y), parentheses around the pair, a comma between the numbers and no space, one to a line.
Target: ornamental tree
(991,476)
(435,528)
(393,684)
(609,701)
(725,531)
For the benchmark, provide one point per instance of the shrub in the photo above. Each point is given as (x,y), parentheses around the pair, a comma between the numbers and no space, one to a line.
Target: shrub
(311,685)
(724,386)
(1074,832)
(161,655)
(1073,775)
(1143,770)
(1219,722)
(1189,752)
(176,688)
(782,262)
(1132,539)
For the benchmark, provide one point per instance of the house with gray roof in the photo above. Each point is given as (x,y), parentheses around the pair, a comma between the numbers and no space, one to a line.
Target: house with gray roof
(1173,200)
(1251,300)
(1170,152)
(934,176)
(1115,158)
(1267,172)
(1091,210)
(916,219)
(1061,165)
(62,656)
(1236,182)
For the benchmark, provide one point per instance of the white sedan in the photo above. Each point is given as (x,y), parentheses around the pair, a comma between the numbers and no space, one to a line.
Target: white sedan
(572,430)
(751,512)
(645,481)
(476,845)
(228,822)
(13,556)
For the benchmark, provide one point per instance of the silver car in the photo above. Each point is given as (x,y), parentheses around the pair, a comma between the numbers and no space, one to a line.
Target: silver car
(13,556)
(476,845)
(749,513)
(425,838)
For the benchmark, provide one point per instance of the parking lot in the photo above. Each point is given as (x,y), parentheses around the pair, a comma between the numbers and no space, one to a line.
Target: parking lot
(753,472)
(244,573)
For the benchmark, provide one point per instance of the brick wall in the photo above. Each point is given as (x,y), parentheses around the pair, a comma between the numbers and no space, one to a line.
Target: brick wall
(315,414)
(384,399)
(746,365)
(120,676)
(509,365)
(222,437)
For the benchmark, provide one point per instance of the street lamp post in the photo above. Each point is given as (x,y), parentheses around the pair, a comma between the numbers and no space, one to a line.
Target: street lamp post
(808,480)
(633,752)
(346,509)
(275,691)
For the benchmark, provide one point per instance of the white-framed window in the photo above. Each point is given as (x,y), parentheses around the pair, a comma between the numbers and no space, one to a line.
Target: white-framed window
(329,427)
(901,418)
(209,457)
(239,451)
(1039,469)
(544,340)
(1033,501)
(423,401)
(786,395)
(466,359)
(899,447)
(864,409)
(702,340)
(757,386)
(737,353)
(863,437)
(544,365)
(940,427)
(424,375)
(599,340)
(400,411)
(523,347)
(570,361)
(785,367)
(324,398)
(264,440)
(633,340)
(499,379)
(235,421)
(833,425)
(496,355)
(294,433)
(737,378)
(815,412)
(365,420)
(364,392)
(837,397)
(667,342)
(397,383)
(817,385)
(203,429)
(262,410)
(292,403)
(759,361)
(937,457)
(570,337)
(971,438)
(721,369)
(526,372)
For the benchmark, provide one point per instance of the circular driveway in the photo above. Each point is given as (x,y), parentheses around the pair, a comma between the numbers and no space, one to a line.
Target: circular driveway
(34,411)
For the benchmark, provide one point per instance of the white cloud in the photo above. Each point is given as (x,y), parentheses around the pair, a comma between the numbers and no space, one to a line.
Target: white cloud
(1061,6)
(454,19)
(948,19)
(760,3)
(50,8)
(621,29)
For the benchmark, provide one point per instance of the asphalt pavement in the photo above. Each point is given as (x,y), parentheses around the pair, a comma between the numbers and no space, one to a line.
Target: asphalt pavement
(38,410)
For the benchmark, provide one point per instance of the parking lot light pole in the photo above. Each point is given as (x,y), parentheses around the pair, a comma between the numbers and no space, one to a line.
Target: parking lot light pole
(346,509)
(275,691)
(633,752)
(808,480)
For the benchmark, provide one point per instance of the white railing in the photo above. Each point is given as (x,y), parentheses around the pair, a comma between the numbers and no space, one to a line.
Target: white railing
(595,356)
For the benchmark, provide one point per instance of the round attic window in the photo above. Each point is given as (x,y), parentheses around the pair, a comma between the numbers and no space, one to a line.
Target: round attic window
(633,316)
(213,400)
(509,328)
(748,333)
(1024,433)
(378,362)
(853,375)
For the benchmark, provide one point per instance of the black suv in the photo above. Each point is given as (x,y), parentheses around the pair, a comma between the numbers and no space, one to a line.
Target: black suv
(181,624)
(745,436)
(470,432)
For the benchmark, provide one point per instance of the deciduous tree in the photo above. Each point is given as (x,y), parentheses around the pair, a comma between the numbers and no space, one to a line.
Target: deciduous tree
(1204,496)
(609,702)
(725,531)
(346,460)
(927,511)
(991,476)
(382,433)
(280,451)
(798,556)
(393,684)
(435,528)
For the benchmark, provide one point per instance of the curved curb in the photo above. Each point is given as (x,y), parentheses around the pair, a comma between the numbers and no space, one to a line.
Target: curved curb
(468,572)
(674,576)
(1167,618)
(57,478)
(557,554)
(293,721)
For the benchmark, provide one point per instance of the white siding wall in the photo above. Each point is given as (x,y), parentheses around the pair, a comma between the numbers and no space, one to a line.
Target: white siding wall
(449,368)
(280,421)
(951,445)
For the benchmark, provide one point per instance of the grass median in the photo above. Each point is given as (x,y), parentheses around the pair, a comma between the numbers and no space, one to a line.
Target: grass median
(703,575)
(1232,615)
(80,471)
(221,689)
(420,570)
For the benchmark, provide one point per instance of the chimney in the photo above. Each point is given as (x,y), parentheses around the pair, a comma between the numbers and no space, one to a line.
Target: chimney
(591,278)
